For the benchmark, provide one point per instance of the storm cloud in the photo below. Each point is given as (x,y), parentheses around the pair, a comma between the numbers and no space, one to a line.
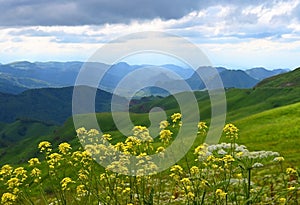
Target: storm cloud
(88,12)
(97,12)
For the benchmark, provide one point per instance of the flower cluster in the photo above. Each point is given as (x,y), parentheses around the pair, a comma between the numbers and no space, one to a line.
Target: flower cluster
(224,173)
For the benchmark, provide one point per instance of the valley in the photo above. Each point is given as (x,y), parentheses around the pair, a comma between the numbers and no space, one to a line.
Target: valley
(45,114)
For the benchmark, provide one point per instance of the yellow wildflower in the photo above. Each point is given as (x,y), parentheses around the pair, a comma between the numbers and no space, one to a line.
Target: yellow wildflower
(35,172)
(228,158)
(45,146)
(8,198)
(185,181)
(160,149)
(204,183)
(194,170)
(239,176)
(13,182)
(83,174)
(291,188)
(291,171)
(190,195)
(165,136)
(64,147)
(221,193)
(76,156)
(278,159)
(142,133)
(231,131)
(6,170)
(201,148)
(282,200)
(54,159)
(126,190)
(107,137)
(239,154)
(176,168)
(65,182)
(175,117)
(92,132)
(16,190)
(81,131)
(80,190)
(202,127)
(20,171)
(33,161)
(163,124)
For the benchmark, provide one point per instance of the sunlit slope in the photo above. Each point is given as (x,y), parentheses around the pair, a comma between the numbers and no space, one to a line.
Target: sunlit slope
(277,130)
(289,79)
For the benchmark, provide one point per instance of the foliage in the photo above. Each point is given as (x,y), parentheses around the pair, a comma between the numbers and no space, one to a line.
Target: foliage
(225,173)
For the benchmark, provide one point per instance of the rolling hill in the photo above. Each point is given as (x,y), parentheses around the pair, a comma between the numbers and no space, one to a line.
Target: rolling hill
(277,129)
(290,79)
(52,105)
(18,139)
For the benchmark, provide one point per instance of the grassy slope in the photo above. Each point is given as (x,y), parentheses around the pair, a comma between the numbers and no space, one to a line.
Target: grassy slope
(242,105)
(240,102)
(290,79)
(50,104)
(277,130)
(26,136)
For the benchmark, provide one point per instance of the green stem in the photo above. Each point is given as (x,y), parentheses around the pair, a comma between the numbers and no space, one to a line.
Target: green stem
(203,197)
(249,187)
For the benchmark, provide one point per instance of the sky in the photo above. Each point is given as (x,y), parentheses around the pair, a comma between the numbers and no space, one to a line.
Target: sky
(237,34)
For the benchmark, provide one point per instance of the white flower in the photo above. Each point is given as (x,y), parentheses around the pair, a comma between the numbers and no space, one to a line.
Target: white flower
(257,165)
(222,152)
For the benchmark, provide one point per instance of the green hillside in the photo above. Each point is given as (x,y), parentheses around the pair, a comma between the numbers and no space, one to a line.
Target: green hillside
(18,140)
(290,79)
(49,104)
(277,130)
(240,102)
(267,116)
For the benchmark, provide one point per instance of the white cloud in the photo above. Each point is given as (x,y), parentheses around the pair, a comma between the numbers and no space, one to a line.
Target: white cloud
(228,33)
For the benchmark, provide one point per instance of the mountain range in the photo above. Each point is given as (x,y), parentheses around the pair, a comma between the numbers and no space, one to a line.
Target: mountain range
(20,76)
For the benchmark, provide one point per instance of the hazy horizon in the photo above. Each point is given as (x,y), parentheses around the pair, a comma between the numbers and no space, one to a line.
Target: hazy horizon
(238,35)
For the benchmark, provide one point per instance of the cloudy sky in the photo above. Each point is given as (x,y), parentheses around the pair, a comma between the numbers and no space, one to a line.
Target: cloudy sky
(238,34)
